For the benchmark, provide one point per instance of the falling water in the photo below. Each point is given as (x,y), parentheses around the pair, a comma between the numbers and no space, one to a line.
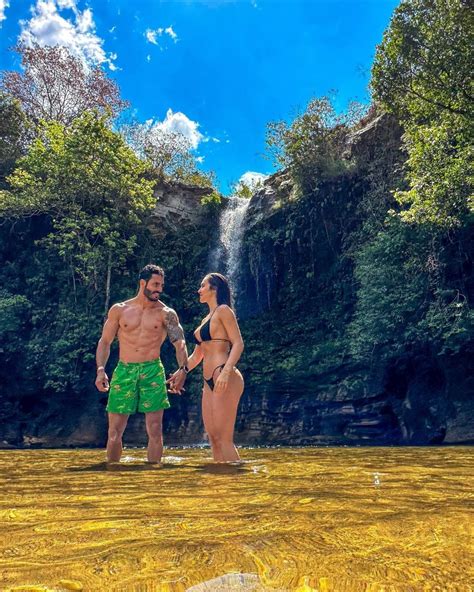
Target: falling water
(231,230)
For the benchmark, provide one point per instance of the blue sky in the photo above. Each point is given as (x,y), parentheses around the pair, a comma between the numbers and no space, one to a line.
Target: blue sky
(217,70)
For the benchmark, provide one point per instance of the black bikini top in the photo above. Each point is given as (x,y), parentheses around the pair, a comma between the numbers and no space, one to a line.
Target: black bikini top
(205,331)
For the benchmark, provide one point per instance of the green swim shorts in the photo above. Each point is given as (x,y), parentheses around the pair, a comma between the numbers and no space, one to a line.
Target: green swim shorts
(138,386)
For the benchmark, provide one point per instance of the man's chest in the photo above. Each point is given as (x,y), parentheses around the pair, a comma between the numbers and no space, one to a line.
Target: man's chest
(136,320)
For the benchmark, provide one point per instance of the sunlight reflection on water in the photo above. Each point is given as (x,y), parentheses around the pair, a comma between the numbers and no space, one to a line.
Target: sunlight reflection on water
(286,519)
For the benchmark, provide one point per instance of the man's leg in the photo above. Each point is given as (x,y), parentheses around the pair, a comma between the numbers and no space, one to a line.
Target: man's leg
(117,424)
(154,422)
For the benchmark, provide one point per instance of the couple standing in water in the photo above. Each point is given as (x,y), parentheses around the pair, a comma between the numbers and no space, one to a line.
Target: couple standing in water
(141,325)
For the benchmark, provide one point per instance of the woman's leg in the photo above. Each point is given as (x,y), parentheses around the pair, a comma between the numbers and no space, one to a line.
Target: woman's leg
(207,417)
(224,413)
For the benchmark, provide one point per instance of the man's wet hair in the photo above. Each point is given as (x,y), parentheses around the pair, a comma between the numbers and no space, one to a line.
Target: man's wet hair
(149,270)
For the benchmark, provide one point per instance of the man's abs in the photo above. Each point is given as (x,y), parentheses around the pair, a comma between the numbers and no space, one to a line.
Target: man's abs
(140,348)
(140,334)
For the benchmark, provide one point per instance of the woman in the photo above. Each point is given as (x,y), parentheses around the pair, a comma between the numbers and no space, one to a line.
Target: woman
(219,345)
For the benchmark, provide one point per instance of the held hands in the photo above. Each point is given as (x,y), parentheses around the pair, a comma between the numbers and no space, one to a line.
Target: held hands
(102,381)
(176,382)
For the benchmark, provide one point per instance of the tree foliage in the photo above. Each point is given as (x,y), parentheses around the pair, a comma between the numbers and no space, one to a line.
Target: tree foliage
(13,136)
(409,293)
(312,146)
(439,170)
(85,166)
(170,154)
(423,66)
(408,213)
(57,86)
(247,188)
(74,231)
(92,190)
(349,273)
(422,72)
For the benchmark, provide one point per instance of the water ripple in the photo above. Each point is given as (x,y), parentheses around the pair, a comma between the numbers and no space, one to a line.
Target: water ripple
(296,520)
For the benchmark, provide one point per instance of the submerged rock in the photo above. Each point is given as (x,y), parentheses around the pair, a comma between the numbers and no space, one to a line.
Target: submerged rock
(233,582)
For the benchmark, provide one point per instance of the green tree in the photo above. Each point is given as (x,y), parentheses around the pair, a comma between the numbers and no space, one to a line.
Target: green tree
(243,190)
(89,197)
(13,136)
(423,66)
(247,186)
(404,298)
(312,146)
(439,170)
(170,154)
(422,72)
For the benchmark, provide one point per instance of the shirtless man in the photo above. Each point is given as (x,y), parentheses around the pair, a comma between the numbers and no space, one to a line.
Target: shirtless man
(138,383)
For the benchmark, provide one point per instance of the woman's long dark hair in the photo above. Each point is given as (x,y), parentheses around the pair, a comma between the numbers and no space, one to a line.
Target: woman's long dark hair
(220,284)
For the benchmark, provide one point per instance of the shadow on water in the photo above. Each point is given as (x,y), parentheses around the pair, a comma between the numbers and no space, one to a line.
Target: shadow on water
(210,468)
(125,468)
(222,469)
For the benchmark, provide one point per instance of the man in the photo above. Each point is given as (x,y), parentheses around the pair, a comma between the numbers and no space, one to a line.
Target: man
(138,383)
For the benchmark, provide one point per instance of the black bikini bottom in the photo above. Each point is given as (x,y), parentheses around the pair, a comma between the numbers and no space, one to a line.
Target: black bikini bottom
(210,381)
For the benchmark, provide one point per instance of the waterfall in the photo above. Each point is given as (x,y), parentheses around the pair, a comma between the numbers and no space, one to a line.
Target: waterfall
(226,256)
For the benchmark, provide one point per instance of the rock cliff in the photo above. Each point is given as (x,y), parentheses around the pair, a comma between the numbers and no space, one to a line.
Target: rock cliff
(178,205)
(295,298)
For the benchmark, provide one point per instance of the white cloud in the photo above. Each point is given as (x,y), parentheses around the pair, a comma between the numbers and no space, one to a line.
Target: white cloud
(252,180)
(84,21)
(169,31)
(3,4)
(200,159)
(148,58)
(211,139)
(67,4)
(179,123)
(175,123)
(48,27)
(112,66)
(152,34)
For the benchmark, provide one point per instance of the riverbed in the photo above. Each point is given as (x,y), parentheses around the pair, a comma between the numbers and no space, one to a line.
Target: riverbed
(287,519)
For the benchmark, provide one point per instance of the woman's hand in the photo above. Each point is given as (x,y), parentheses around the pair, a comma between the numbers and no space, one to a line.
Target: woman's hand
(222,381)
(176,381)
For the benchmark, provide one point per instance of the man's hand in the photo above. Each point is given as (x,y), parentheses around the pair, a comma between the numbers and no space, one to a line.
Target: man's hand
(176,381)
(102,381)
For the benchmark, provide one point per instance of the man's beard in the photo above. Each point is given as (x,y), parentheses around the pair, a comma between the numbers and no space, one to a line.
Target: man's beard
(152,296)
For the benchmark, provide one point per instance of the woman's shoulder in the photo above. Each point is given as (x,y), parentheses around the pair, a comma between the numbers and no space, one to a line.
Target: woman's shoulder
(225,311)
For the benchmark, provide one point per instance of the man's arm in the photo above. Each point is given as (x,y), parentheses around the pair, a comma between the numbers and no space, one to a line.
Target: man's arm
(109,332)
(176,336)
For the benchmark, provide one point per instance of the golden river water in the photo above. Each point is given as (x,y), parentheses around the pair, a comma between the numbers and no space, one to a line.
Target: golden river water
(287,519)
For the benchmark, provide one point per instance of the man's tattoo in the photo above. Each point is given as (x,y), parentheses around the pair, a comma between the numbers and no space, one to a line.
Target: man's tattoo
(174,329)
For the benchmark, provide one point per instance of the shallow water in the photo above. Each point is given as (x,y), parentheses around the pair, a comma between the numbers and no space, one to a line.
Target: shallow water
(307,519)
